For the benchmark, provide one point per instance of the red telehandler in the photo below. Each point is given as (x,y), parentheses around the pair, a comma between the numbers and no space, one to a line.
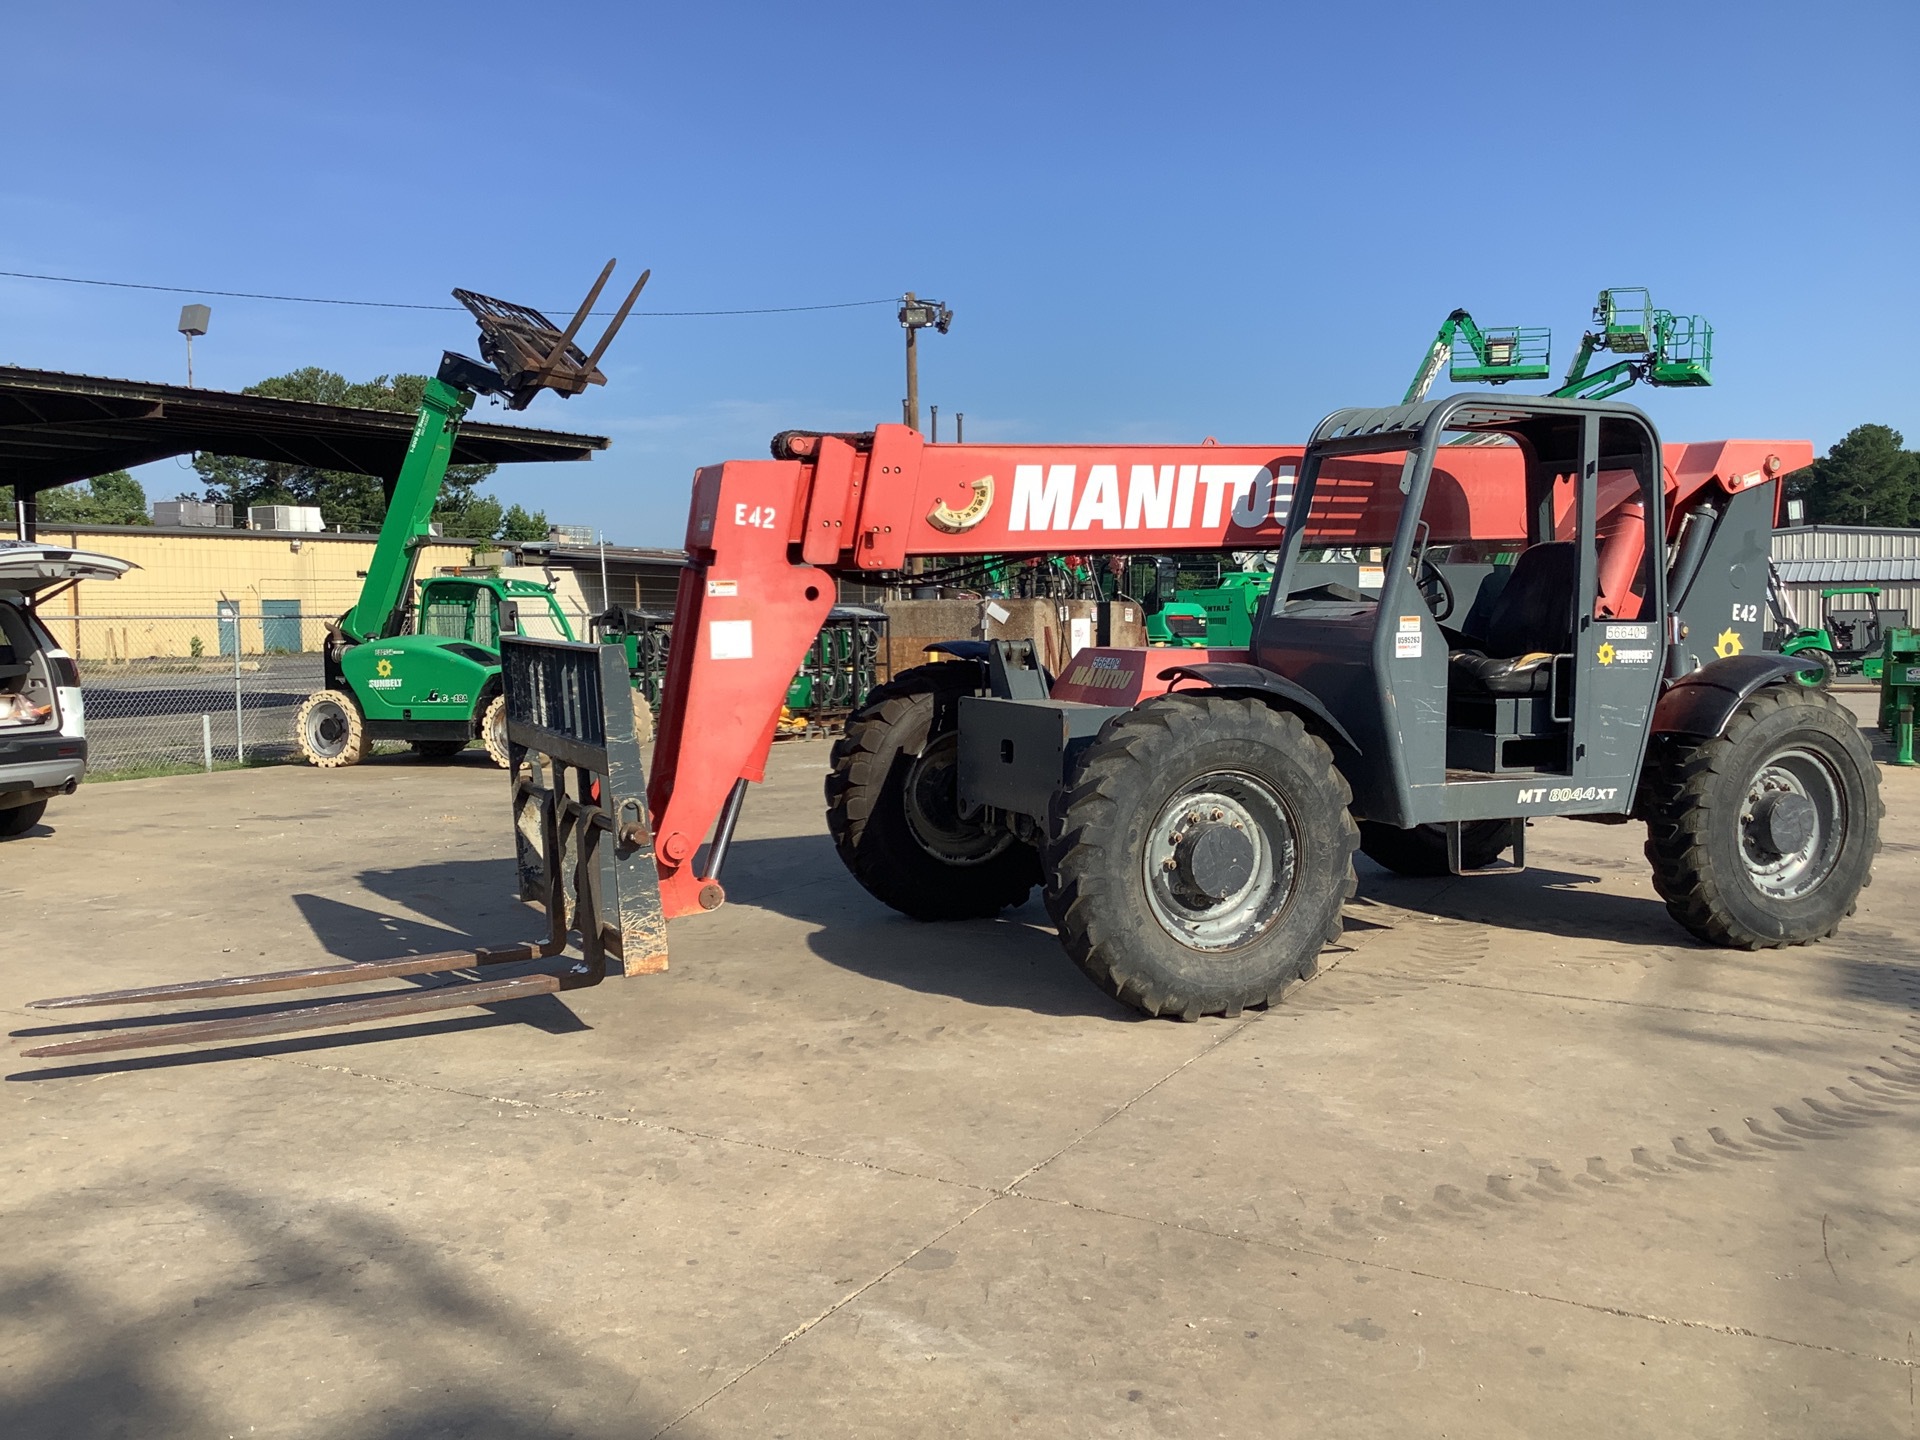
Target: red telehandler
(1569,623)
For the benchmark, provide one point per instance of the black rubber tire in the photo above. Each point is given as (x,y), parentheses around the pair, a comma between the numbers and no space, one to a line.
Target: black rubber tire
(1818,676)
(439,749)
(19,819)
(1097,854)
(867,806)
(1692,797)
(1422,851)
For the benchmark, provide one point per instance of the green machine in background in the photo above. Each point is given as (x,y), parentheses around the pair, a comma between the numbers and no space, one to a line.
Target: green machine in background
(1848,639)
(841,666)
(1899,683)
(425,669)
(1173,617)
(1660,348)
(647,637)
(1856,634)
(1229,606)
(844,662)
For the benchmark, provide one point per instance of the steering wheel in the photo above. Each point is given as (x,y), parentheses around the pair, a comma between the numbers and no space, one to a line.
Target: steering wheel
(1434,588)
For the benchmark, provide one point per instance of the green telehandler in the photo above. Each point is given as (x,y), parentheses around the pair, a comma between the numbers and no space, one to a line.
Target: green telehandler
(427,671)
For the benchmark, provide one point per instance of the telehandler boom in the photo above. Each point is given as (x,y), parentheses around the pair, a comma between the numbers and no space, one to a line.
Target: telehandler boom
(431,676)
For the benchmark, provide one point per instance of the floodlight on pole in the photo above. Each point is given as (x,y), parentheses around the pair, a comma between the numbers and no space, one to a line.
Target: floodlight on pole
(917,315)
(193,321)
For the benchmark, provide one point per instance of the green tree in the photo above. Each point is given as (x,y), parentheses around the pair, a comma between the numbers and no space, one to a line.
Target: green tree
(346,499)
(517,524)
(115,498)
(1865,479)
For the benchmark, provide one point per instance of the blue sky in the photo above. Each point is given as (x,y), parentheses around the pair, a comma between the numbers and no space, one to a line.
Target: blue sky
(1154,222)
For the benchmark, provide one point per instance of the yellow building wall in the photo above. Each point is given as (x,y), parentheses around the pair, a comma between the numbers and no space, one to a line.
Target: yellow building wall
(183,577)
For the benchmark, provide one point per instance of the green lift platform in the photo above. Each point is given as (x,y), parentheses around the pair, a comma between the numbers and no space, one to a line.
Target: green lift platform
(1657,347)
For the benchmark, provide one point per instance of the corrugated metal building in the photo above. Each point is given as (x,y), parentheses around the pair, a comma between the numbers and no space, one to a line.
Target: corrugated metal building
(1811,558)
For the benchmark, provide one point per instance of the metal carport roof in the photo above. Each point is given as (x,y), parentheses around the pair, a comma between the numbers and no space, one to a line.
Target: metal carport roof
(1847,572)
(56,428)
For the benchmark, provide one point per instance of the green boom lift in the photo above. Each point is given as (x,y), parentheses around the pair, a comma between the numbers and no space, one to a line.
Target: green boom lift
(428,672)
(1657,346)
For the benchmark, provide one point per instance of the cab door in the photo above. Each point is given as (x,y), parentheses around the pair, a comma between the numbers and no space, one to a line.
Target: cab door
(1618,648)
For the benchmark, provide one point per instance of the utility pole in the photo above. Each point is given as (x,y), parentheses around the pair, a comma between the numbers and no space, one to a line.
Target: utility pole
(916,315)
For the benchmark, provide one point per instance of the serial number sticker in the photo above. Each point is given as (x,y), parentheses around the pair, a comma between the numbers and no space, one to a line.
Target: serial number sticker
(1406,645)
(1626,632)
(722,589)
(730,640)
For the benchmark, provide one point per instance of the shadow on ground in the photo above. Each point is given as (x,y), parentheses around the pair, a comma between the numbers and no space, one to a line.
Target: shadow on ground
(416,1347)
(1565,903)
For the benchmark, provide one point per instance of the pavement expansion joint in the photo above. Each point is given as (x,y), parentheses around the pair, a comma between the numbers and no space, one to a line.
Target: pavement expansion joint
(845,1300)
(1005,1192)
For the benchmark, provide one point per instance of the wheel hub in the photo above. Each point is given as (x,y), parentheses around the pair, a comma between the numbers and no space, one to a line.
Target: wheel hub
(1220,860)
(327,729)
(1783,823)
(1213,860)
(1792,824)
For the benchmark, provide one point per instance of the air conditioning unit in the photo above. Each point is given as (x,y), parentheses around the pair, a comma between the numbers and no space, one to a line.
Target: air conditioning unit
(200,514)
(301,518)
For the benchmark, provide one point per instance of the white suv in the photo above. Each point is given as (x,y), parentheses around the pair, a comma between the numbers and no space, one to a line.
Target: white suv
(43,728)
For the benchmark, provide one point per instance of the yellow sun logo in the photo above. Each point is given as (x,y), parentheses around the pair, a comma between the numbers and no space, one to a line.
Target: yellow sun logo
(385,668)
(1604,654)
(1728,644)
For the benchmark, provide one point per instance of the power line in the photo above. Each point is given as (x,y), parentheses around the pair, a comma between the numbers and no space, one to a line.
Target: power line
(401,305)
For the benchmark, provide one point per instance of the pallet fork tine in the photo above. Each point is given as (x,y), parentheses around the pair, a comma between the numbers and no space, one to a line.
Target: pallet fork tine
(584,854)
(313,978)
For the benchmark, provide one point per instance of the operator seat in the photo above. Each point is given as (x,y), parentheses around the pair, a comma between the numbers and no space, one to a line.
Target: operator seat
(1530,622)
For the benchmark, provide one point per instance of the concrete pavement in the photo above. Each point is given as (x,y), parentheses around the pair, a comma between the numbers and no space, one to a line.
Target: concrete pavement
(1524,1160)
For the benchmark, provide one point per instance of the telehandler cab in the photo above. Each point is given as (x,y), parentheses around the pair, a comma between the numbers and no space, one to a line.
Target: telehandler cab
(1191,816)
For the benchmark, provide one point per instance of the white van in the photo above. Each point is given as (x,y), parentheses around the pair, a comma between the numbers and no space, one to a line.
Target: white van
(43,724)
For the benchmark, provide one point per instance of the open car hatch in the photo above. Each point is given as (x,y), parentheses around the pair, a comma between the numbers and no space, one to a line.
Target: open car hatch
(26,569)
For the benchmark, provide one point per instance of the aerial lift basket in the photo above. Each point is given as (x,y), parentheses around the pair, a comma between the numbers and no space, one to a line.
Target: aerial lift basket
(584,854)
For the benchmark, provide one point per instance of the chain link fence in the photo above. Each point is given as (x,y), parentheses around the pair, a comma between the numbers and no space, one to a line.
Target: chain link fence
(174,692)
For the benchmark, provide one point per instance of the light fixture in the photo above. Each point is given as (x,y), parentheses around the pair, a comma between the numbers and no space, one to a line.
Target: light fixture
(193,321)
